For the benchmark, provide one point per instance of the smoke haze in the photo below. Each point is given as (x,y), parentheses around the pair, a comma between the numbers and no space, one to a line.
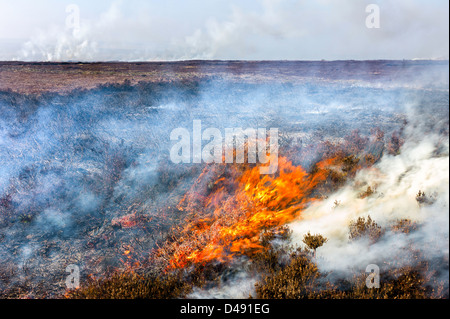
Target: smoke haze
(242,30)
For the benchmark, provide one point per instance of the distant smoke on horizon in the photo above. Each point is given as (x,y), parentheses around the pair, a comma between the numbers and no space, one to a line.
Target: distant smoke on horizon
(262,30)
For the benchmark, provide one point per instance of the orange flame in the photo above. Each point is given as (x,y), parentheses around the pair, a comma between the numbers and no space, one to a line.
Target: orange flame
(230,215)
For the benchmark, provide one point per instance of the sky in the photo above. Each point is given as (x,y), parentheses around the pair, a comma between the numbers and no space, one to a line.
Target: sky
(142,30)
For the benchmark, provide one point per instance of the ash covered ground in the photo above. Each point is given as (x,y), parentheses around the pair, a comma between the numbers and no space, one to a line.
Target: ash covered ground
(85,174)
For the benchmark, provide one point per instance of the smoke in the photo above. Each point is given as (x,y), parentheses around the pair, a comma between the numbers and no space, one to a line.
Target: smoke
(237,286)
(422,165)
(261,30)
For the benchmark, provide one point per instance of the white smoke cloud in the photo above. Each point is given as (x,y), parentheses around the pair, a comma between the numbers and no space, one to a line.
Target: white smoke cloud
(397,180)
(266,29)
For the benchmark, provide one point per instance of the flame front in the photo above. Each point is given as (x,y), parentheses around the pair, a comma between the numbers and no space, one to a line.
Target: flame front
(229,217)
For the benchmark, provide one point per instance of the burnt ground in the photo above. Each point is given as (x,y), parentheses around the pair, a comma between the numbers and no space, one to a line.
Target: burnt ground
(85,176)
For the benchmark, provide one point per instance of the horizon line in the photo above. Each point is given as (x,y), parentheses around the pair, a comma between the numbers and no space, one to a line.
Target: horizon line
(224,60)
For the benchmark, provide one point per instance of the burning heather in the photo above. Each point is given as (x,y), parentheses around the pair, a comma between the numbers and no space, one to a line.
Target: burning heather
(93,204)
(237,207)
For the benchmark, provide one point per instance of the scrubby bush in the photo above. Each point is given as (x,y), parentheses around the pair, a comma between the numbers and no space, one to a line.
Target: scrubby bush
(404,226)
(297,280)
(361,227)
(369,191)
(314,241)
(423,199)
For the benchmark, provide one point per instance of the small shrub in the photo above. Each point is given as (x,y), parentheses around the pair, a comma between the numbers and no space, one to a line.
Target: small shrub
(314,241)
(361,228)
(369,191)
(295,281)
(423,199)
(404,226)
